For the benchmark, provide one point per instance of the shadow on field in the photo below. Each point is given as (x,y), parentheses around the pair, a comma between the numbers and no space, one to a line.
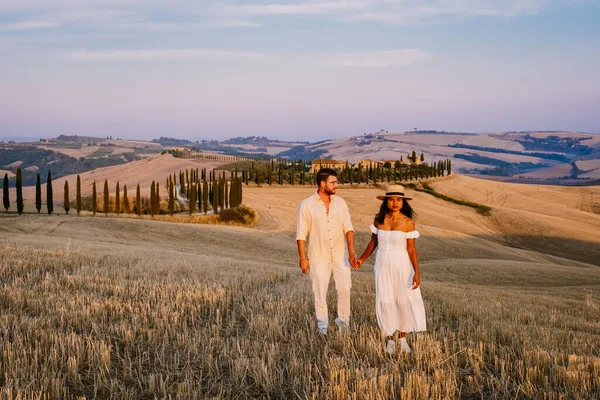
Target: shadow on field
(573,249)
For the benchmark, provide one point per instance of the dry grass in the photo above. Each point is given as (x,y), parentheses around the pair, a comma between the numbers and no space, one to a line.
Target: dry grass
(136,309)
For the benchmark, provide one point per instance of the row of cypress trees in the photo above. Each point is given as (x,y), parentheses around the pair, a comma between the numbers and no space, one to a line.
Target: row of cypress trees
(217,193)
(202,188)
(38,193)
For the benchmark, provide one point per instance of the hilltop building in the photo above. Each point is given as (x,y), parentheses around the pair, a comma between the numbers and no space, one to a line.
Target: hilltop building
(320,163)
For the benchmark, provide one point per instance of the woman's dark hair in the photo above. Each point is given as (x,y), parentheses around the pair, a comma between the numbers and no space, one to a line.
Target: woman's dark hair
(384,210)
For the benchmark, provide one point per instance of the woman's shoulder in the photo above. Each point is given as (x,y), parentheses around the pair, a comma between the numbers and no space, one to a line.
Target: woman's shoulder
(409,225)
(375,226)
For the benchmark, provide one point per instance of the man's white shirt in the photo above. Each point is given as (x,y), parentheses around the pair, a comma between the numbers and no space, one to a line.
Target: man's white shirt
(326,232)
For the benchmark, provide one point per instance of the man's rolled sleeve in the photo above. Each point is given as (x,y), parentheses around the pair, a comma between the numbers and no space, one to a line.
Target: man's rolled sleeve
(302,225)
(347,225)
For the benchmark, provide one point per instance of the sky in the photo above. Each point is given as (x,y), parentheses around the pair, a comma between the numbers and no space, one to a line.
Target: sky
(296,69)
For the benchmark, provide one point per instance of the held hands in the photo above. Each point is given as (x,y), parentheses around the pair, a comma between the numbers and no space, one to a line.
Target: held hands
(355,263)
(304,265)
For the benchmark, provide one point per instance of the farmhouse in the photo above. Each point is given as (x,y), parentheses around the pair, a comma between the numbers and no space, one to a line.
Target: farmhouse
(320,163)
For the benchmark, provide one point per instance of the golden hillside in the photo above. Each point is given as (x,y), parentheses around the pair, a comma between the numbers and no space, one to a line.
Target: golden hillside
(131,308)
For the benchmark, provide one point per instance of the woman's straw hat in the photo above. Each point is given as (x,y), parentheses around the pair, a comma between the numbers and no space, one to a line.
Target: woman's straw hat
(395,191)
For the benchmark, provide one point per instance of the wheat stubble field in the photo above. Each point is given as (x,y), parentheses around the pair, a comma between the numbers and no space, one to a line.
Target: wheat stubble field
(125,308)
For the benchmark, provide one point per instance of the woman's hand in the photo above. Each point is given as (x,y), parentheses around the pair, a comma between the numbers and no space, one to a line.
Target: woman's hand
(416,282)
(359,262)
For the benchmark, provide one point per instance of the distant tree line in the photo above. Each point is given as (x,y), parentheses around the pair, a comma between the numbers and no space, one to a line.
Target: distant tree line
(555,143)
(281,171)
(300,152)
(61,164)
(502,168)
(546,156)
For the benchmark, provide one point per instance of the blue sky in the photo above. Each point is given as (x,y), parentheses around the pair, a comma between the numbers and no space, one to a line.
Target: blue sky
(297,69)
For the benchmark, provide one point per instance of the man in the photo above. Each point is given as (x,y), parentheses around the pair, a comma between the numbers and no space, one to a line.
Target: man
(325,218)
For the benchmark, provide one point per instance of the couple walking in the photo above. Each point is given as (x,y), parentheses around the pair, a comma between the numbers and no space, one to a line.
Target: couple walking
(325,219)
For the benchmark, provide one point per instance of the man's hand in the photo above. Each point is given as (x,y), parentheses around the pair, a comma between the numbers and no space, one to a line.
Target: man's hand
(304,265)
(358,263)
(352,260)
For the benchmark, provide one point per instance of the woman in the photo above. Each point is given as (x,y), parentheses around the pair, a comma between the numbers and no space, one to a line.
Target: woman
(399,306)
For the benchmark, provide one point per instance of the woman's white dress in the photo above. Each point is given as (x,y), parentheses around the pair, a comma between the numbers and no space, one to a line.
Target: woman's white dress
(398,307)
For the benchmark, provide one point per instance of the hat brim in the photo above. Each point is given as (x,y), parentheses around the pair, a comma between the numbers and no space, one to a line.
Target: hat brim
(394,195)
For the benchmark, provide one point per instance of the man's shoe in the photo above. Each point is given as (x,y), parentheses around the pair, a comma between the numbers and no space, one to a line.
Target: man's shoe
(404,347)
(323,331)
(344,328)
(391,347)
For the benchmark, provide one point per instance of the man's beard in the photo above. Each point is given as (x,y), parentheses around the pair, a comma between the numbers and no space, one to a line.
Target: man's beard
(328,191)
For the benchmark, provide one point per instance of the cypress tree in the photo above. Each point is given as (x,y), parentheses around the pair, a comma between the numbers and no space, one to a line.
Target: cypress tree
(449,167)
(205,195)
(138,200)
(157,199)
(126,206)
(152,194)
(106,198)
(94,198)
(236,192)
(194,195)
(360,173)
(199,196)
(222,191)
(191,199)
(66,204)
(19,185)
(78,195)
(38,193)
(215,192)
(118,199)
(171,198)
(49,194)
(188,192)
(5,198)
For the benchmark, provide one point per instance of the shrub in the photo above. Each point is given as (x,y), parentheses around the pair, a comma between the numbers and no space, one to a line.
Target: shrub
(242,215)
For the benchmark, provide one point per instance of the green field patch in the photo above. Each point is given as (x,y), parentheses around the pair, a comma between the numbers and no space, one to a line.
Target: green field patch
(480,208)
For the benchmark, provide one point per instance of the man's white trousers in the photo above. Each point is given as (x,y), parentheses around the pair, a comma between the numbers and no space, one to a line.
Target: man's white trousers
(320,275)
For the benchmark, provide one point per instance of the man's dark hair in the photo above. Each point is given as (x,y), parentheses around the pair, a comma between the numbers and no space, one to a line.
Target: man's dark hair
(324,174)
